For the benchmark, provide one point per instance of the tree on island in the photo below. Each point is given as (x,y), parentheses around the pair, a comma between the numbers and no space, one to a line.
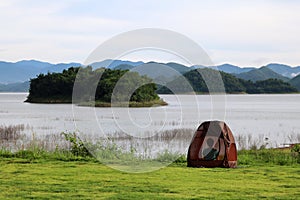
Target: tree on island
(58,87)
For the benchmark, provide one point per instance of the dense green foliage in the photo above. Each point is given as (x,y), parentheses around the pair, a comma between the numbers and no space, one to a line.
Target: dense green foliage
(58,87)
(269,86)
(295,82)
(53,87)
(231,84)
(78,147)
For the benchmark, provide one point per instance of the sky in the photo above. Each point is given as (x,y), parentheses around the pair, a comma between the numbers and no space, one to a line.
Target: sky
(244,33)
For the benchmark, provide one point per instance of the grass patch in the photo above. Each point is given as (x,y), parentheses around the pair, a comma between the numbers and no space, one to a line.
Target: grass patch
(268,156)
(49,179)
(72,173)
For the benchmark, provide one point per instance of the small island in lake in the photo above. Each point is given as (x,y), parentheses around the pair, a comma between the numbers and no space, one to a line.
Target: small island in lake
(94,88)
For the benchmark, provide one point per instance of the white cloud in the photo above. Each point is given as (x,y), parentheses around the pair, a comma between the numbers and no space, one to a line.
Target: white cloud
(56,38)
(240,32)
(254,58)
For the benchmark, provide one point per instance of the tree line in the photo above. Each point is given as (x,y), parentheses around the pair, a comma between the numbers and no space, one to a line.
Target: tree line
(193,81)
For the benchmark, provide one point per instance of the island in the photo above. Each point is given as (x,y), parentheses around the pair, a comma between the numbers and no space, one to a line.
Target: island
(58,88)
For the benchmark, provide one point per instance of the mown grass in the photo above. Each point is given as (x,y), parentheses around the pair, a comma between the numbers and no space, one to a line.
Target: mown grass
(33,174)
(50,179)
(72,173)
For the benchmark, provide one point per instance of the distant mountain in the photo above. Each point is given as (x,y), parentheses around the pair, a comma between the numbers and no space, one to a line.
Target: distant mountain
(160,73)
(60,67)
(20,71)
(260,74)
(197,67)
(284,70)
(15,87)
(228,68)
(124,67)
(295,82)
(24,70)
(232,69)
(111,64)
(179,67)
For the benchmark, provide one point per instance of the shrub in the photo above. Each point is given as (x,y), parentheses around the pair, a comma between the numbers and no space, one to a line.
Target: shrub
(167,156)
(296,152)
(78,147)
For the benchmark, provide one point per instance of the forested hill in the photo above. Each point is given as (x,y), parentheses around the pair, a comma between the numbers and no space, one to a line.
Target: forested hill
(232,84)
(58,87)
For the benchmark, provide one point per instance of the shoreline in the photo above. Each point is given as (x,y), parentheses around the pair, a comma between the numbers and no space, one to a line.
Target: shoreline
(154,103)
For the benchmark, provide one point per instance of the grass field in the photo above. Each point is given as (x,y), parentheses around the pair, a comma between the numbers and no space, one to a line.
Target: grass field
(52,179)
(72,173)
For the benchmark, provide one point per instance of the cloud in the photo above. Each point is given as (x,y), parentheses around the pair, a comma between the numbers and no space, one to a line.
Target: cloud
(263,30)
(254,58)
(40,32)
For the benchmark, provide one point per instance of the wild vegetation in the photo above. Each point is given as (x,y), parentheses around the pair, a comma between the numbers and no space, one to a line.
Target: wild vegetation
(58,87)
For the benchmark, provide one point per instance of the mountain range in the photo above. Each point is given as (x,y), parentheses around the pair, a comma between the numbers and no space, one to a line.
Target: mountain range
(24,70)
(260,74)
(14,76)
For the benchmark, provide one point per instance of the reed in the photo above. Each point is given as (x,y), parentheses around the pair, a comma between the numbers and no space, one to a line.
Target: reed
(69,146)
(11,132)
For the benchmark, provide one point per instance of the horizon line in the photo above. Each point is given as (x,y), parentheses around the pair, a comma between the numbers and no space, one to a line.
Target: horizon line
(162,62)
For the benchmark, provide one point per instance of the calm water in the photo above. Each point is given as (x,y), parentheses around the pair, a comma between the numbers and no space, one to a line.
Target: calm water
(273,116)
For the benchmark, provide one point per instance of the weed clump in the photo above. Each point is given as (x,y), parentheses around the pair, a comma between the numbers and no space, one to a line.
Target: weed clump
(78,147)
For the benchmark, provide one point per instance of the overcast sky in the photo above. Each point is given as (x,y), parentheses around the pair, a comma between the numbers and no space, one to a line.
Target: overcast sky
(244,33)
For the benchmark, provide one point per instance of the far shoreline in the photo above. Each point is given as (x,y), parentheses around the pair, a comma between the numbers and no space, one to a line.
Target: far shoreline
(134,104)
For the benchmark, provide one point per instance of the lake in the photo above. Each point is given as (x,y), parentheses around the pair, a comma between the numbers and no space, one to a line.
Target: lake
(272,119)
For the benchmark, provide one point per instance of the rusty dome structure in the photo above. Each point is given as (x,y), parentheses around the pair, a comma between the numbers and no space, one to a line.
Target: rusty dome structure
(213,145)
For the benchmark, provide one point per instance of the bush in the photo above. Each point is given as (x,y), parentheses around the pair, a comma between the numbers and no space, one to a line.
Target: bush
(167,156)
(296,152)
(78,147)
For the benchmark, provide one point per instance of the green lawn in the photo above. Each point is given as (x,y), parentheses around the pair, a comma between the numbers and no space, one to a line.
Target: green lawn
(50,179)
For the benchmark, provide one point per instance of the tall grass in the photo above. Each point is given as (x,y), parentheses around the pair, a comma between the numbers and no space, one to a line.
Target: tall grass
(11,133)
(68,146)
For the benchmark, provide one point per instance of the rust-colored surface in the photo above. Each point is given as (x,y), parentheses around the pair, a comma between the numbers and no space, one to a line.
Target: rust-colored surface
(195,146)
(217,131)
